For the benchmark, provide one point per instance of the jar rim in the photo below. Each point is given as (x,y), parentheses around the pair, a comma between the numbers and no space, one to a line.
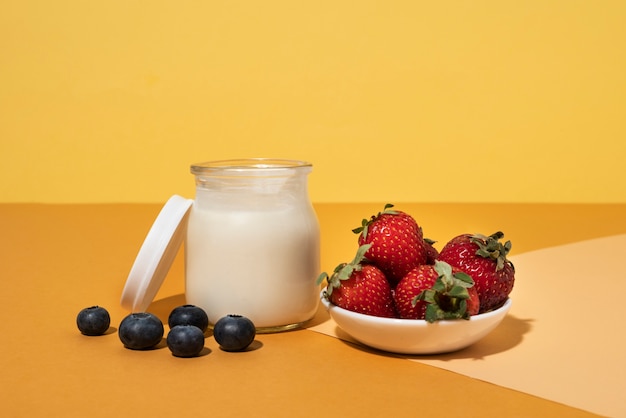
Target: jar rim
(244,165)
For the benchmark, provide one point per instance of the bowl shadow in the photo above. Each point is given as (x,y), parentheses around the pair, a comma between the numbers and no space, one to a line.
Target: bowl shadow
(507,335)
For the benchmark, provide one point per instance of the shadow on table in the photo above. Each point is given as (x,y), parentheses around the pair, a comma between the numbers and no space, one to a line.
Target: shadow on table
(163,307)
(506,336)
(320,317)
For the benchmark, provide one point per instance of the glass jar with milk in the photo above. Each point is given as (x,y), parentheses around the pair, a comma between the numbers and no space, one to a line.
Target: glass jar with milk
(252,243)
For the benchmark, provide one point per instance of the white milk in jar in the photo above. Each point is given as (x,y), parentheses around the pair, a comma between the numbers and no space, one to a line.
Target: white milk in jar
(253,243)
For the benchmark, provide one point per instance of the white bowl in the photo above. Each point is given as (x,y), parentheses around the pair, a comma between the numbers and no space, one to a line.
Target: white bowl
(413,336)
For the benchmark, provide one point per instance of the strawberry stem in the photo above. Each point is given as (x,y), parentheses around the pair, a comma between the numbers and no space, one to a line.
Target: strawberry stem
(365,223)
(343,271)
(491,247)
(447,298)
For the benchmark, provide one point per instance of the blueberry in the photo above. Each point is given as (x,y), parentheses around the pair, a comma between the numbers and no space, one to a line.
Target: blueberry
(94,320)
(185,340)
(139,331)
(234,332)
(189,315)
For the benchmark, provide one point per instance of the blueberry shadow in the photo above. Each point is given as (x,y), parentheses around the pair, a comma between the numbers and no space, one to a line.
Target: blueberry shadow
(254,345)
(111,330)
(204,352)
(159,346)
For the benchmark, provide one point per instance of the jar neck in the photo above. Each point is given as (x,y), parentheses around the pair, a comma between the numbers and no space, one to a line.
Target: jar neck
(265,185)
(251,182)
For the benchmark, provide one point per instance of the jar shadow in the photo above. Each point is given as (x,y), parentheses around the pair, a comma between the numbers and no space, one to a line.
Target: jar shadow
(321,316)
(163,307)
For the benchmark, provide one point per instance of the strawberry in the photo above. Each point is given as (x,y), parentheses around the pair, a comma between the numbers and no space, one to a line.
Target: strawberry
(431,252)
(473,302)
(397,245)
(360,287)
(435,292)
(483,258)
(421,278)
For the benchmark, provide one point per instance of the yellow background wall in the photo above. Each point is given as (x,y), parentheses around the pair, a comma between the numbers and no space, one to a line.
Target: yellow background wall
(402,101)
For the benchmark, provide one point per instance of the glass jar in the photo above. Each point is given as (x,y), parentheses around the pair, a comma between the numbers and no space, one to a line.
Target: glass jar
(253,242)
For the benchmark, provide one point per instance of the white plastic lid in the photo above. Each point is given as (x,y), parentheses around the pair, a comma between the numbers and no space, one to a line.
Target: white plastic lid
(156,255)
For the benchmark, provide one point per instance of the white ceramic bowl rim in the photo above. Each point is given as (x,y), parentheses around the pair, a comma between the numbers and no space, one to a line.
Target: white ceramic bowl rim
(399,322)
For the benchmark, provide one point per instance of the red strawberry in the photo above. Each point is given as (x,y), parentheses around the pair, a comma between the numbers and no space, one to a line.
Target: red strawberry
(415,282)
(483,258)
(473,302)
(435,292)
(360,287)
(431,252)
(397,245)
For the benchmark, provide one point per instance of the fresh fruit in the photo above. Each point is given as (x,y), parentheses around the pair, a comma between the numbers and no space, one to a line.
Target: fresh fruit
(483,258)
(93,321)
(359,287)
(435,292)
(431,252)
(140,331)
(473,302)
(397,245)
(185,340)
(415,282)
(188,315)
(234,332)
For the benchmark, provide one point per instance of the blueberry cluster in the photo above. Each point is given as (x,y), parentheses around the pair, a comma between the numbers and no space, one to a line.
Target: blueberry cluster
(187,323)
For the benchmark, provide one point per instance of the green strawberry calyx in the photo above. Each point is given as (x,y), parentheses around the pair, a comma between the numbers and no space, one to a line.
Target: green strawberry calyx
(365,223)
(343,271)
(447,298)
(490,247)
(429,241)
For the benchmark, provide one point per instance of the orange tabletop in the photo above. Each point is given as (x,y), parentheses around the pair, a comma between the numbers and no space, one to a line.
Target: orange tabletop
(58,259)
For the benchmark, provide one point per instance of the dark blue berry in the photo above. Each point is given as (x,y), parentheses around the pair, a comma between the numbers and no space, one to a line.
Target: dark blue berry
(94,320)
(189,315)
(234,332)
(185,340)
(140,331)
